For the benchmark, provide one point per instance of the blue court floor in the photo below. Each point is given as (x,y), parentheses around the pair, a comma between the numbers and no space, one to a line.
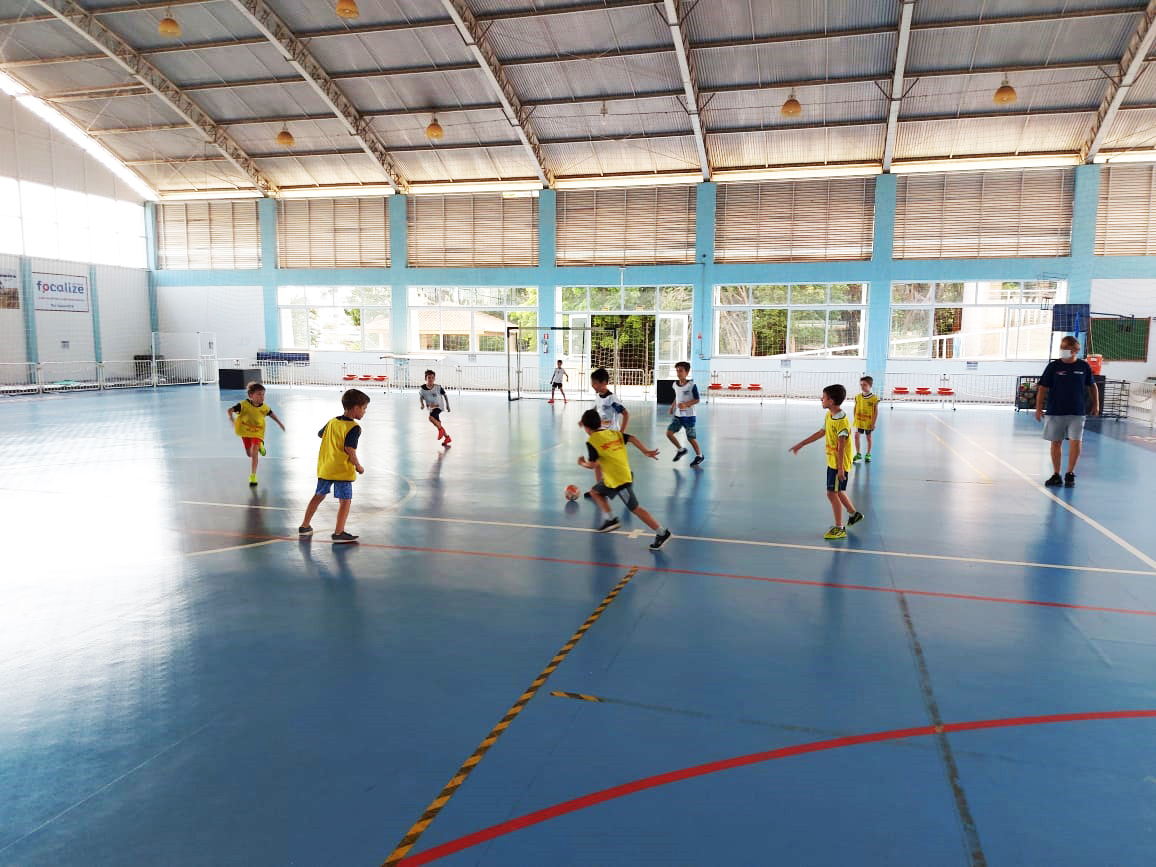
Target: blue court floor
(970,678)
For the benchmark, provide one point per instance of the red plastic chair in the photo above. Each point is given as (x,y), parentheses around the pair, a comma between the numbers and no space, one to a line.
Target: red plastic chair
(754,386)
(349,377)
(380,378)
(921,390)
(901,389)
(714,386)
(735,386)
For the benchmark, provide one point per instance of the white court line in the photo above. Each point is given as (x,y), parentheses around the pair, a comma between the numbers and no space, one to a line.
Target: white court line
(231,548)
(785,545)
(1091,522)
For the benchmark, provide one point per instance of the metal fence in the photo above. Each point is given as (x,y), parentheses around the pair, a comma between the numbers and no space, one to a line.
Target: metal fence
(1142,403)
(776,384)
(143,372)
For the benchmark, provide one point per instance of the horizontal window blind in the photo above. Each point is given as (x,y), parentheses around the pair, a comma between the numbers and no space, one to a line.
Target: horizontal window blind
(471,231)
(1126,216)
(795,221)
(973,215)
(333,233)
(632,226)
(196,235)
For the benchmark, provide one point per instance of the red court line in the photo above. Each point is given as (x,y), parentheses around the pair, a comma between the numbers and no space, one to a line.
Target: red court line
(799,582)
(640,785)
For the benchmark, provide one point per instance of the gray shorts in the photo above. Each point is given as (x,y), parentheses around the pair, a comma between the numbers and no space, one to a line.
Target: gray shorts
(1058,428)
(623,492)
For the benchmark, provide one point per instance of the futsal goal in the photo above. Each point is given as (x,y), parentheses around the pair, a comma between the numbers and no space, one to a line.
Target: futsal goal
(533,351)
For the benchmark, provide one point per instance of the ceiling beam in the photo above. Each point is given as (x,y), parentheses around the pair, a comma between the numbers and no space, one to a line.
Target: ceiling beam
(120,51)
(517,115)
(1130,66)
(896,98)
(672,13)
(304,63)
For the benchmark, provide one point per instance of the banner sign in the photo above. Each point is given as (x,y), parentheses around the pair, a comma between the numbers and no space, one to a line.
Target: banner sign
(9,292)
(67,292)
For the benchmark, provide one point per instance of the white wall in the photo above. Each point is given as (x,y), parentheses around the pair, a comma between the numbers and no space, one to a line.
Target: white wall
(236,314)
(1130,298)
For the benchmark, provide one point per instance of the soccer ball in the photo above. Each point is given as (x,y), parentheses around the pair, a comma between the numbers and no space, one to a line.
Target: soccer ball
(571,492)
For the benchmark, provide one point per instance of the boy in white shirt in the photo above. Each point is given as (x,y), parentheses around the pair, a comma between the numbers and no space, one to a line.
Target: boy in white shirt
(685,398)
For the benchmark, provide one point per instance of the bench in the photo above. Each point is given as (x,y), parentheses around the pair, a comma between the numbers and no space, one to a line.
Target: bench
(298,358)
(942,395)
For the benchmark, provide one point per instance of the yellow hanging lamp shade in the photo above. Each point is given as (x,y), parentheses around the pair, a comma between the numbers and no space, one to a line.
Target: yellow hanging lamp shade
(1005,94)
(285,138)
(791,108)
(169,26)
(347,9)
(434,131)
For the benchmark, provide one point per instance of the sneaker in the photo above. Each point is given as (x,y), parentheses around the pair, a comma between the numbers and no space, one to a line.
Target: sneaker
(867,457)
(608,525)
(304,531)
(835,533)
(858,457)
(252,481)
(586,495)
(698,459)
(441,433)
(1055,481)
(678,455)
(551,400)
(660,540)
(855,518)
(261,449)
(343,538)
(447,440)
(1069,480)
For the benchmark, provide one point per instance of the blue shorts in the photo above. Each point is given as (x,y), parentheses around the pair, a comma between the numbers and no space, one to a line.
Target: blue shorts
(341,490)
(683,422)
(833,483)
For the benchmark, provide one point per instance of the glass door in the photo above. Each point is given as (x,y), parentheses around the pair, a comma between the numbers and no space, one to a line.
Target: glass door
(673,339)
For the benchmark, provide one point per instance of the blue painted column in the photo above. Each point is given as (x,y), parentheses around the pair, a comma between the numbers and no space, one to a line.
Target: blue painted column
(547,276)
(702,316)
(879,293)
(267,219)
(151,262)
(399,274)
(1085,205)
(28,301)
(94,304)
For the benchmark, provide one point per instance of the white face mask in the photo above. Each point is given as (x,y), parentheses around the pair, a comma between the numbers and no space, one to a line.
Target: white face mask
(1067,354)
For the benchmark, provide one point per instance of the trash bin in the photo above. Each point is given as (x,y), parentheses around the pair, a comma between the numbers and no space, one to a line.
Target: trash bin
(1095,362)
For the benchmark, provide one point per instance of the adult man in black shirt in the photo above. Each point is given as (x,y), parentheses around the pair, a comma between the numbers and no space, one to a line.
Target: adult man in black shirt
(1067,391)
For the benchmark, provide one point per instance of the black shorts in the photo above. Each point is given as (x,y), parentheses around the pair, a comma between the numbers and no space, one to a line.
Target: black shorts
(623,492)
(436,413)
(833,482)
(554,385)
(866,430)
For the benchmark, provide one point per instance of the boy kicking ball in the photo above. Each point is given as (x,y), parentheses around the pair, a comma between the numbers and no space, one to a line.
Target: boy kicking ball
(606,449)
(837,431)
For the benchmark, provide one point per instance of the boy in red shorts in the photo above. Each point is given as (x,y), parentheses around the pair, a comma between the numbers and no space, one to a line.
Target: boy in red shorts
(248,420)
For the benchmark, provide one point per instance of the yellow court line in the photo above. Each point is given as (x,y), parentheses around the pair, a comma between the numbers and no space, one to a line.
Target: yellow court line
(985,476)
(1091,522)
(790,546)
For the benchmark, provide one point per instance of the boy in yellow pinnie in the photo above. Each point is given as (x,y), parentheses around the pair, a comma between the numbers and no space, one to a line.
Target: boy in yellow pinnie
(248,419)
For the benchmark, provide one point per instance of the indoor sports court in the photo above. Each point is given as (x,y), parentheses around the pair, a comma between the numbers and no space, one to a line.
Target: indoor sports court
(923,202)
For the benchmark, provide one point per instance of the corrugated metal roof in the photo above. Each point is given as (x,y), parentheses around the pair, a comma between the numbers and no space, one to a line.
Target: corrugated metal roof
(1018,44)
(392,49)
(848,102)
(578,33)
(489,164)
(742,19)
(983,136)
(632,156)
(384,93)
(594,78)
(955,10)
(971,94)
(794,61)
(787,147)
(1132,129)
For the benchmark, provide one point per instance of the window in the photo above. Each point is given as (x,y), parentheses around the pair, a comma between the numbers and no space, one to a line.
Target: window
(971,215)
(626,299)
(338,318)
(208,235)
(795,221)
(333,233)
(984,320)
(459,319)
(464,231)
(1126,217)
(816,320)
(632,226)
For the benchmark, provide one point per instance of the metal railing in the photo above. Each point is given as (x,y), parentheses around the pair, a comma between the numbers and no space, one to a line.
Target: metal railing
(64,376)
(1142,402)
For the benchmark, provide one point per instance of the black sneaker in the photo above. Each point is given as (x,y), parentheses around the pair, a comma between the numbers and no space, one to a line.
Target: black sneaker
(1055,481)
(1069,480)
(586,495)
(855,518)
(304,531)
(608,525)
(343,538)
(678,455)
(660,540)
(698,459)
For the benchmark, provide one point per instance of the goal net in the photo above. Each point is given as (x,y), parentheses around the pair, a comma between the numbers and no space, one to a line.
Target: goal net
(533,352)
